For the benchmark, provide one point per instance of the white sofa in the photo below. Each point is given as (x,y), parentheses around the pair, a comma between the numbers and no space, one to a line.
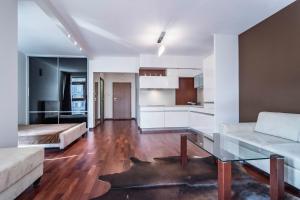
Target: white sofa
(19,168)
(275,132)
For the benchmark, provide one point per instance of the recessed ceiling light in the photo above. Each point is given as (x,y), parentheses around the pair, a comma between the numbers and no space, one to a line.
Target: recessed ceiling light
(75,43)
(80,49)
(69,36)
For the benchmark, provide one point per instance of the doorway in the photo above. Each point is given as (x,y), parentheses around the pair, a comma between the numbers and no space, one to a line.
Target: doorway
(121,100)
(96,103)
(101,101)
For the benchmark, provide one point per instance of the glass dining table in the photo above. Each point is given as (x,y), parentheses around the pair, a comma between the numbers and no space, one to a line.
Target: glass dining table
(226,150)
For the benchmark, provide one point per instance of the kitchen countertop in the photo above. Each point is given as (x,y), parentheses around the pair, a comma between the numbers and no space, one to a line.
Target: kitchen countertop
(198,106)
(190,108)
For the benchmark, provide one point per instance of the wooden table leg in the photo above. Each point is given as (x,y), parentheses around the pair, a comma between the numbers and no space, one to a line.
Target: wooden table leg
(183,150)
(224,180)
(277,177)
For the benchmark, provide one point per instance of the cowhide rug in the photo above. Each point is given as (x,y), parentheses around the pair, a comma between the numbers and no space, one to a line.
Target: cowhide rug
(164,179)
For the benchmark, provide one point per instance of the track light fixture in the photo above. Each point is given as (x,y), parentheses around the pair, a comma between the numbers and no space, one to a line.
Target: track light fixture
(161,48)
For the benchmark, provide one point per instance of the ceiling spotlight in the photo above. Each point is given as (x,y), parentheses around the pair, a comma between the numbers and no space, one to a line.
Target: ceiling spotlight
(69,36)
(80,49)
(161,50)
(75,43)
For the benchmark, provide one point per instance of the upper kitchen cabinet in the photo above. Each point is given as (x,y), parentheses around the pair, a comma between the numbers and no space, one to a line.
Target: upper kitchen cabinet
(198,81)
(158,82)
(155,78)
(188,73)
(160,78)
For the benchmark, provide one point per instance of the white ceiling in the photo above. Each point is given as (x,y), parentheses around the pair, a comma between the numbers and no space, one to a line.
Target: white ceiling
(132,27)
(38,34)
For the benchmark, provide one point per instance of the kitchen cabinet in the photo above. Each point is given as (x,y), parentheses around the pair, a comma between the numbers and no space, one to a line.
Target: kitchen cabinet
(183,72)
(203,122)
(152,119)
(172,82)
(198,81)
(164,117)
(158,82)
(176,117)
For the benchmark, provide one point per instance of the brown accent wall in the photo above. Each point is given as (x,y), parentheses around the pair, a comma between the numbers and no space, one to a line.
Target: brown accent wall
(186,91)
(270,65)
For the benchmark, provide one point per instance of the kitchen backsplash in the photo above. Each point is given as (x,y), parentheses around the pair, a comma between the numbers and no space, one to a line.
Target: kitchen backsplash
(153,97)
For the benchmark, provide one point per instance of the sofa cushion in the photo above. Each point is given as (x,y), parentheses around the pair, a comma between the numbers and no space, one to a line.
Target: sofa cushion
(240,127)
(284,125)
(290,151)
(257,139)
(15,163)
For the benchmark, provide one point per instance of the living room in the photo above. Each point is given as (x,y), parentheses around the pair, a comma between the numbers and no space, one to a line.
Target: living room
(176,100)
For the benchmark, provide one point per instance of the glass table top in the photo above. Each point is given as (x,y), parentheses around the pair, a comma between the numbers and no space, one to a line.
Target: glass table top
(226,148)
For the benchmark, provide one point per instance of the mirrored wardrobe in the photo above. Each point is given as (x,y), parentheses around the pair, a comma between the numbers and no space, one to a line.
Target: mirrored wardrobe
(57,90)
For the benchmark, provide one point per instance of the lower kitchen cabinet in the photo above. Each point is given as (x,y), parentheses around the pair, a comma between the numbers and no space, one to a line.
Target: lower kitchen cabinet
(202,121)
(152,119)
(176,119)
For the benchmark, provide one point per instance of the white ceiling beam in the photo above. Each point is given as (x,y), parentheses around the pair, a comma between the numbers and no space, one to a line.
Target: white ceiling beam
(66,24)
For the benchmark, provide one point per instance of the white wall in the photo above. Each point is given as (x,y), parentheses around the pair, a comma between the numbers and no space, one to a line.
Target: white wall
(9,75)
(22,74)
(96,79)
(226,54)
(109,79)
(209,80)
(157,97)
(108,65)
(114,64)
(171,61)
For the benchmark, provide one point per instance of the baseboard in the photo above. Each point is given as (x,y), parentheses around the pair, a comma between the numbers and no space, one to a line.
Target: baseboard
(112,119)
(164,130)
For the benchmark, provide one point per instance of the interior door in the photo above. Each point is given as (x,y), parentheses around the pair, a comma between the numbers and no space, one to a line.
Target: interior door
(121,100)
(101,100)
(96,103)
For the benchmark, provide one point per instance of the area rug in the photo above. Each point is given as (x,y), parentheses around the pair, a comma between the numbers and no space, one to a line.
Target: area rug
(165,179)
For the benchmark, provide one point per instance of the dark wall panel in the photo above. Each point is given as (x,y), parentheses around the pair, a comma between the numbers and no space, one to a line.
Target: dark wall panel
(57,90)
(186,91)
(270,65)
(43,84)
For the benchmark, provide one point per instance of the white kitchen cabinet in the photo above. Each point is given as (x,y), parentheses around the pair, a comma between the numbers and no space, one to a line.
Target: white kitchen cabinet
(172,82)
(159,82)
(160,117)
(183,72)
(193,120)
(152,119)
(176,119)
(198,81)
(202,122)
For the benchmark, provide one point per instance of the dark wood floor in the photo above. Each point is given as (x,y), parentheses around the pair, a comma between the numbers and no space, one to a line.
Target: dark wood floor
(72,173)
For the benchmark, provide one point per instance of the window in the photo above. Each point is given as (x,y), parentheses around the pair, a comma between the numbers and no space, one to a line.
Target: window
(78,95)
